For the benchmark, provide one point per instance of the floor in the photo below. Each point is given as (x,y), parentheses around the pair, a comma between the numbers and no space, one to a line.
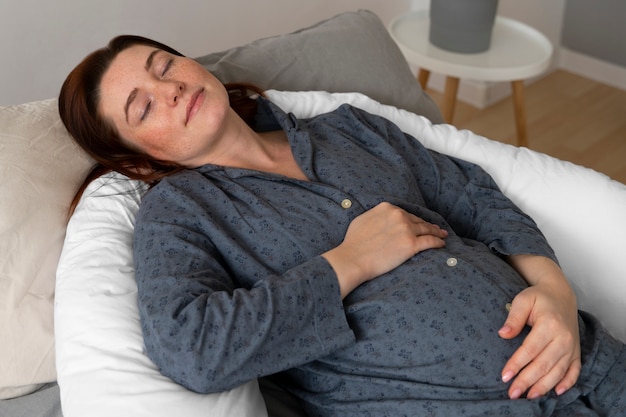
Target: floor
(569,117)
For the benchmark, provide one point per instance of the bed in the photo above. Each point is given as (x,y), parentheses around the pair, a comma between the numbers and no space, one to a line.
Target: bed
(71,341)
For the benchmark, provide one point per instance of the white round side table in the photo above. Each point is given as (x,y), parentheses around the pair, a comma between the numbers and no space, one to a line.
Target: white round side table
(517,52)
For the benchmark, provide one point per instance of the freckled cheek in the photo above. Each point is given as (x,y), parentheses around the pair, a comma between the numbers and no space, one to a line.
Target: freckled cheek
(161,136)
(150,144)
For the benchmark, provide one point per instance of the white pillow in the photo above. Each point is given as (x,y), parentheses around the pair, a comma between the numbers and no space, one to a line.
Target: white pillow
(40,169)
(102,368)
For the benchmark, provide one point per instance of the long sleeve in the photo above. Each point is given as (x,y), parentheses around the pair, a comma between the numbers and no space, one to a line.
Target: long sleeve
(202,327)
(471,202)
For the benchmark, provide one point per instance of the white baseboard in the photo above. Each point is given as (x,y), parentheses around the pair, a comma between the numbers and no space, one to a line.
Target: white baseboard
(593,68)
(483,94)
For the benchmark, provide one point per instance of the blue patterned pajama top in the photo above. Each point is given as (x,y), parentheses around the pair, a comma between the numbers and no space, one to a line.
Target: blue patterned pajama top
(232,285)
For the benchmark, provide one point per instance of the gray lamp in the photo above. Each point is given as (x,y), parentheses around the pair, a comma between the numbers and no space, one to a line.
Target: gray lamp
(462,25)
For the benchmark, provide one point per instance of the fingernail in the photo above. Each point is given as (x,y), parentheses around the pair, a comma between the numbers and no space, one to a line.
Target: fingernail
(560,391)
(506,377)
(516,394)
(533,395)
(505,330)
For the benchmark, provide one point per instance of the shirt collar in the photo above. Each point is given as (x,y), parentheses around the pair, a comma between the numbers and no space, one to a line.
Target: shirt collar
(268,117)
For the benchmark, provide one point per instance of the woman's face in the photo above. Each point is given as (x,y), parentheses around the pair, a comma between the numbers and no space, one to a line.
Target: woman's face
(167,106)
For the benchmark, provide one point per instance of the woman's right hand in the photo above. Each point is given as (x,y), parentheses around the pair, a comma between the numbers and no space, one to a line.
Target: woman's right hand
(378,241)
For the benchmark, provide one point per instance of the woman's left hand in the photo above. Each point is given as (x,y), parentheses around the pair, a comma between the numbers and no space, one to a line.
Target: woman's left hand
(549,357)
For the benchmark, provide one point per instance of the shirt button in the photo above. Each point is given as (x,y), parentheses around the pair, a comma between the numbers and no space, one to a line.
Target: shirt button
(346,203)
(451,262)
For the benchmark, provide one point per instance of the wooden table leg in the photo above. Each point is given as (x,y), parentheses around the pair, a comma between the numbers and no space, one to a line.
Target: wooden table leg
(520,112)
(449,98)
(422,77)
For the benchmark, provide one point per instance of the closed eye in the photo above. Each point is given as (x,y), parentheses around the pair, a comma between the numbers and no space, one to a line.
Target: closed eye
(146,110)
(167,66)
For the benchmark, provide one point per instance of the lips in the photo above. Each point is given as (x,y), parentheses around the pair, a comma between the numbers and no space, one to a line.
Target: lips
(194,104)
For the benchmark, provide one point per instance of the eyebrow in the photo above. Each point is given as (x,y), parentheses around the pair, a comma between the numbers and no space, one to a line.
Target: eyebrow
(151,58)
(133,94)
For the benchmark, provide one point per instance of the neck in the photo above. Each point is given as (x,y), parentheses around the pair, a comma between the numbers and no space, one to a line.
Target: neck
(266,152)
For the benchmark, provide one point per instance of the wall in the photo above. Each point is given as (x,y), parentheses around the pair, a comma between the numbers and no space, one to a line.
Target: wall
(594,40)
(589,36)
(596,29)
(41,40)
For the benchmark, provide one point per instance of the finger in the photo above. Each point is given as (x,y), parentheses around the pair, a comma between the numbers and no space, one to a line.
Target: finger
(541,375)
(424,228)
(517,318)
(531,348)
(421,226)
(549,381)
(570,378)
(562,376)
(428,241)
(555,364)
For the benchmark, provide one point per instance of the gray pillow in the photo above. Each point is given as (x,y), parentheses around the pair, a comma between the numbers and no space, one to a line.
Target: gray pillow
(351,52)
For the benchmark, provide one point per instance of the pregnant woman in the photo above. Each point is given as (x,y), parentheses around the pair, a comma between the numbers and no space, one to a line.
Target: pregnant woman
(369,275)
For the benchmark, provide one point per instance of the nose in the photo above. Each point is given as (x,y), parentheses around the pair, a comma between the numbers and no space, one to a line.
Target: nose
(173,92)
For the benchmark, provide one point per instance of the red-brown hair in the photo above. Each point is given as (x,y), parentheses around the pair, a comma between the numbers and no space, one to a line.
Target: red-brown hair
(79,99)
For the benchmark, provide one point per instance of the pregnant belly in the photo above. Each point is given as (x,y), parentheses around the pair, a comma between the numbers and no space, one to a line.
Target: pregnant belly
(434,320)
